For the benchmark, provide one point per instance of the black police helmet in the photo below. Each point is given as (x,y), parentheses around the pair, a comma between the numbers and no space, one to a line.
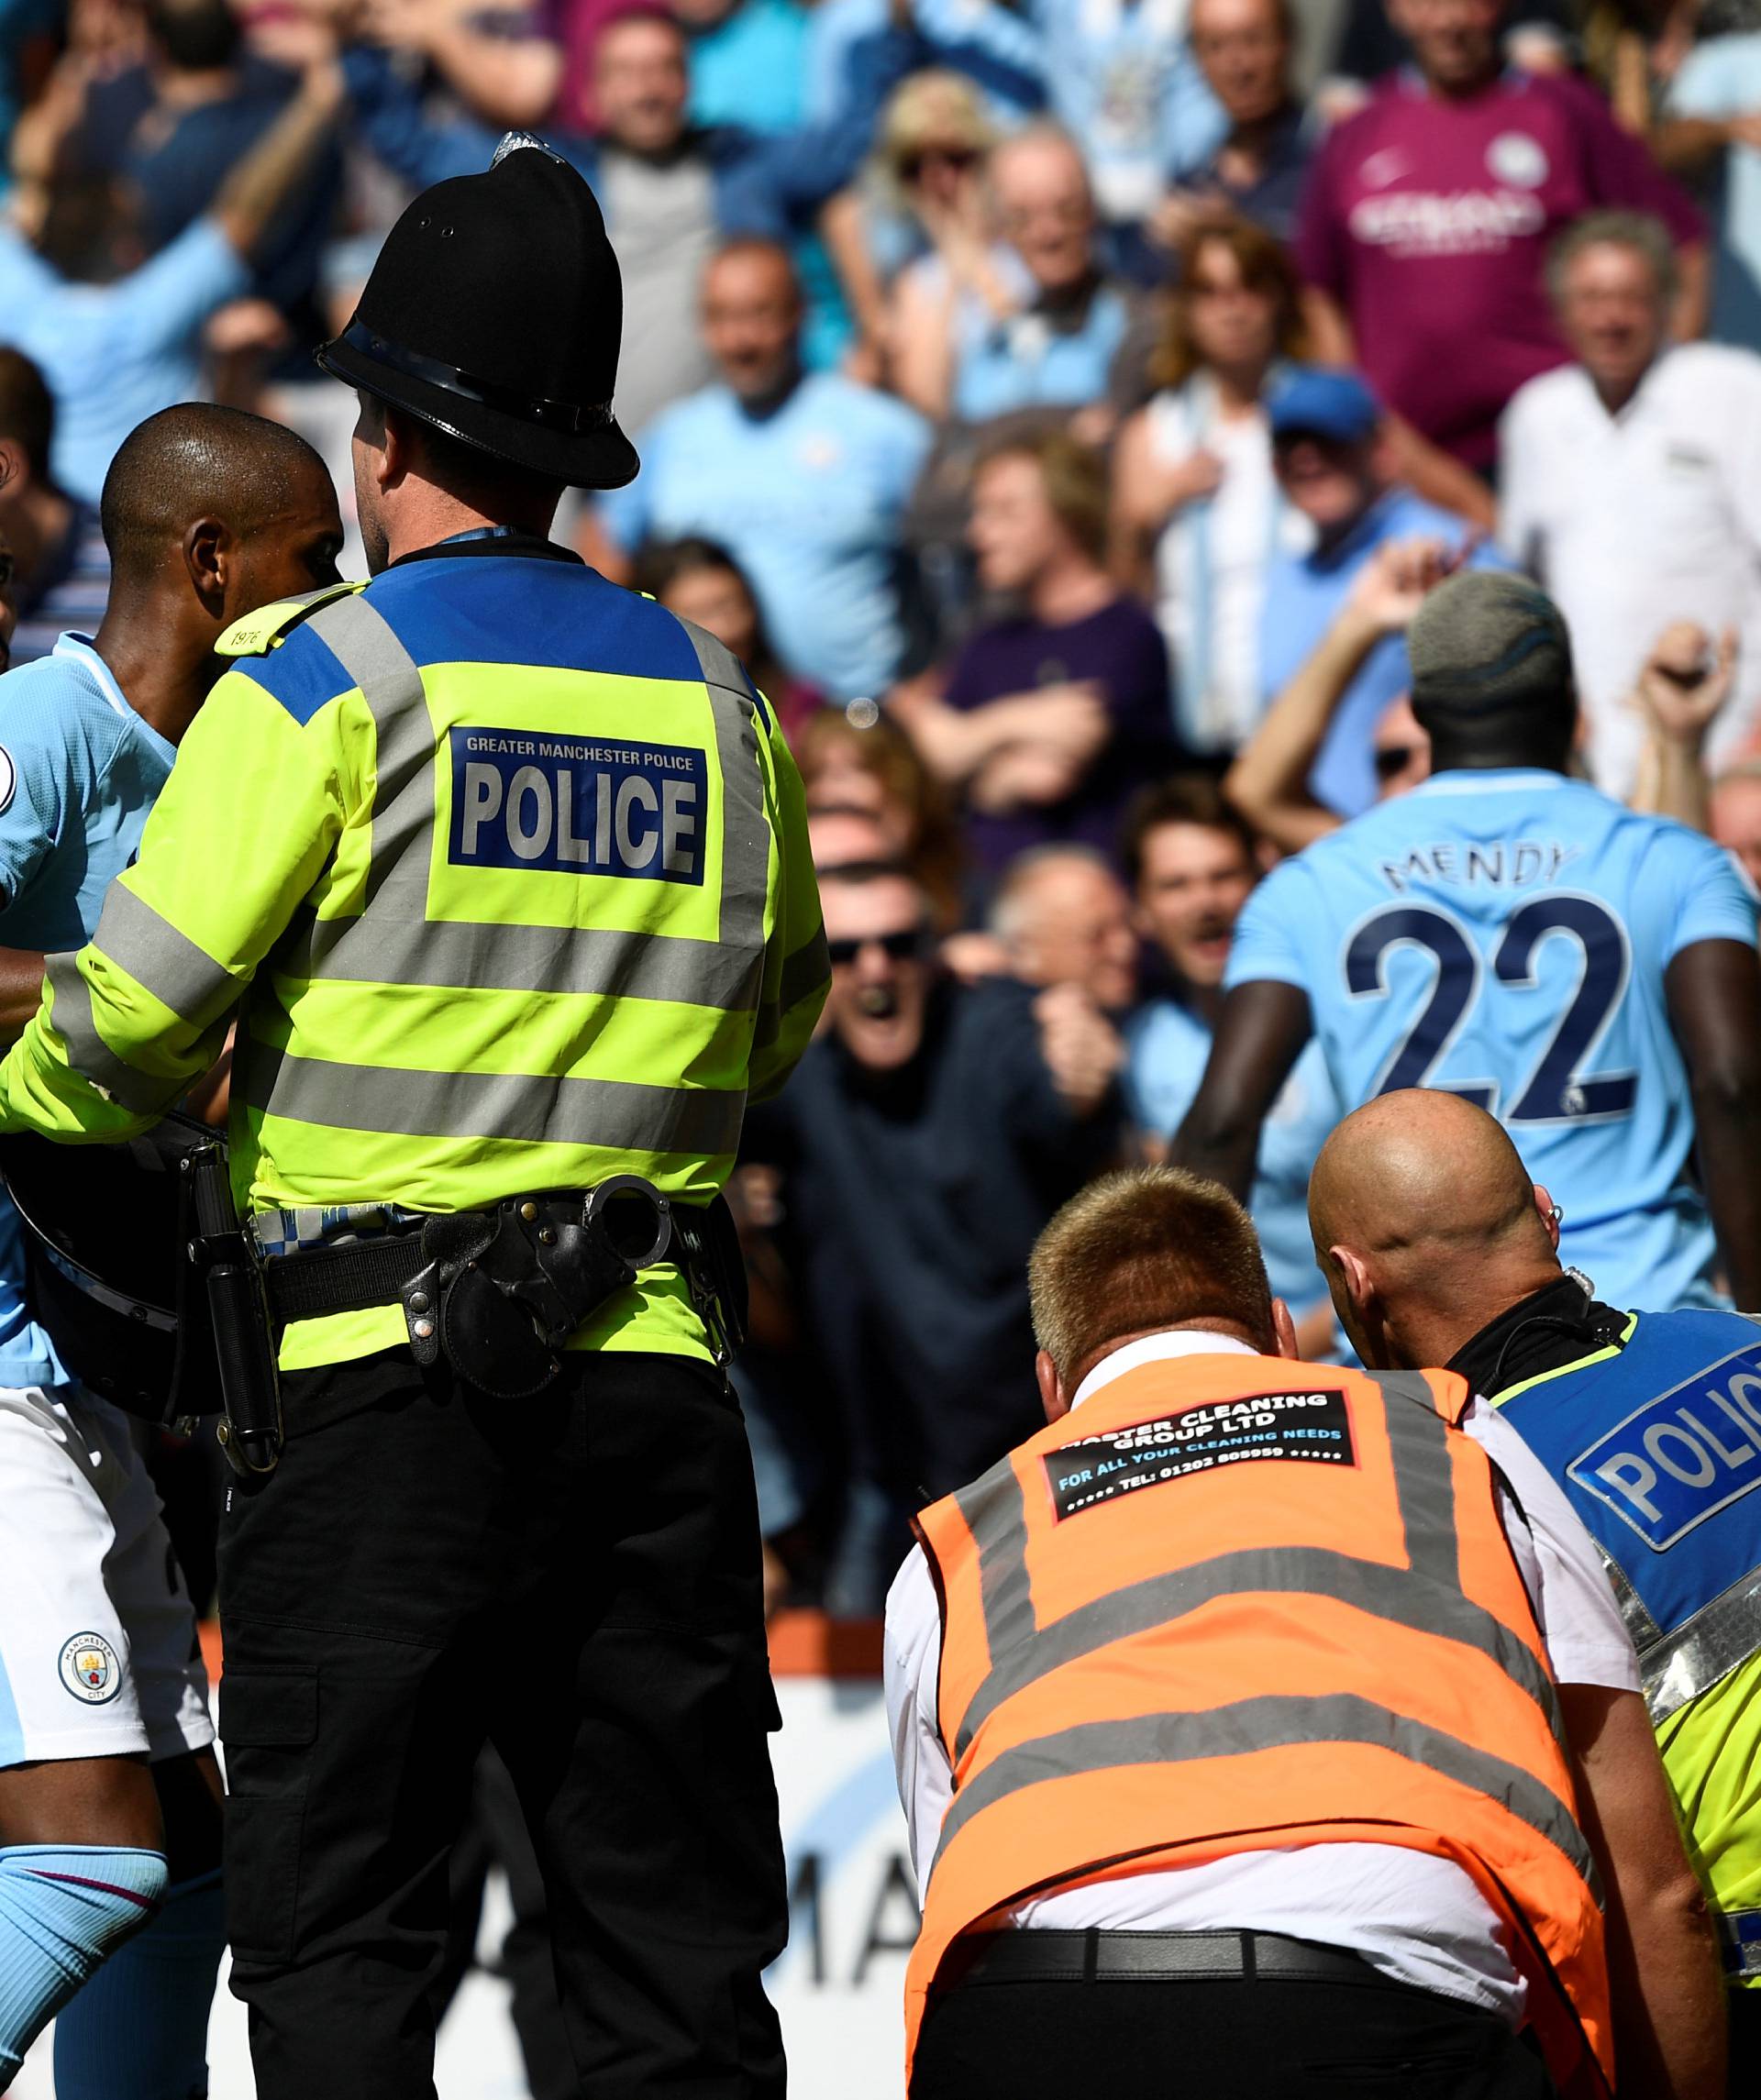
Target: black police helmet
(493,313)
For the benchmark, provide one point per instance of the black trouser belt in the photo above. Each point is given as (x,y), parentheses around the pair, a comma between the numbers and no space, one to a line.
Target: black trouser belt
(319,1280)
(1028,1956)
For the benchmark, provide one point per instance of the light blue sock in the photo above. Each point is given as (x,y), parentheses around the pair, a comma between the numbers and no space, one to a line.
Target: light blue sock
(62,1909)
(140,2028)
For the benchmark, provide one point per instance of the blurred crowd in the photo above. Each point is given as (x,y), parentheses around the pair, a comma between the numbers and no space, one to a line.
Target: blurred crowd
(1061,407)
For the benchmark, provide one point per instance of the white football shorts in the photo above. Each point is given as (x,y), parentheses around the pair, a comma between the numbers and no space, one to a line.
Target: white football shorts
(98,1649)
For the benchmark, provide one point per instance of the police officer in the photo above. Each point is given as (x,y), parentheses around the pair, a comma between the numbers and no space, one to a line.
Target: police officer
(1273,1722)
(1439,1248)
(503,872)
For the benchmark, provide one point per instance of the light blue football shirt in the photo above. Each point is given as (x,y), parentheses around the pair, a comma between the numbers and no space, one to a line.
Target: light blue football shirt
(78,771)
(1167,1045)
(1303,596)
(1720,77)
(1504,936)
(809,499)
(114,354)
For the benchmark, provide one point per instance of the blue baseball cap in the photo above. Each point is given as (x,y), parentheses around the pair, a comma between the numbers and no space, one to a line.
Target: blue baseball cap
(1323,402)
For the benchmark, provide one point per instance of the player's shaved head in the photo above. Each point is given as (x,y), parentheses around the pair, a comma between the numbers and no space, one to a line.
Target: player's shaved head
(1426,1225)
(199,462)
(209,514)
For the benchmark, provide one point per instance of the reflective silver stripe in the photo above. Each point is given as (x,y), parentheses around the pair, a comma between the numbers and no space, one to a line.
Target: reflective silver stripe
(484,956)
(392,940)
(997,1517)
(87,1052)
(363,641)
(1679,1666)
(524,1108)
(1392,1594)
(745,829)
(1269,1723)
(1428,1597)
(1419,1438)
(1644,1630)
(804,971)
(167,963)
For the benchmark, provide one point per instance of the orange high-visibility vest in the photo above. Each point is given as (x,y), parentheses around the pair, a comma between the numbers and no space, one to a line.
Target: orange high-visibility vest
(1233,1603)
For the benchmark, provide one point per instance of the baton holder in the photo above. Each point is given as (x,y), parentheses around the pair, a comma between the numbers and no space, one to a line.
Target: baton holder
(226,1263)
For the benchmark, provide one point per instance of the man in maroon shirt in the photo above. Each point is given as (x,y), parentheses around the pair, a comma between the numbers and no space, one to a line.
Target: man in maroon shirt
(1425,223)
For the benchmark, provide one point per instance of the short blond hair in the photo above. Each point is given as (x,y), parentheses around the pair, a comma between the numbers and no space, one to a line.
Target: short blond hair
(1142,1249)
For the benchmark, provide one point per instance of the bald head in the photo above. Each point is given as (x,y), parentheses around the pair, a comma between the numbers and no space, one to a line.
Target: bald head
(1063,917)
(197,461)
(1426,1225)
(1045,206)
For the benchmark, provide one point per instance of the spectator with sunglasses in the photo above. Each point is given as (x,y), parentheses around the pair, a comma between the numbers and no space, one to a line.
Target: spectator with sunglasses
(928,1134)
(1021,313)
(925,175)
(1632,487)
(1269,782)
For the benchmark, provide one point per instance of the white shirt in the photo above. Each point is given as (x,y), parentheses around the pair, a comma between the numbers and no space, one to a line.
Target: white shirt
(1632,521)
(1211,565)
(1417,1919)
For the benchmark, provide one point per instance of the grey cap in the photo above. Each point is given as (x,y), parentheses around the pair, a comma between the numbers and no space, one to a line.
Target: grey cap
(1485,641)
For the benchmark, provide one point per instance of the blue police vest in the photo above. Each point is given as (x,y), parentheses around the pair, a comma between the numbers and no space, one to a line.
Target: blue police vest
(1657,1443)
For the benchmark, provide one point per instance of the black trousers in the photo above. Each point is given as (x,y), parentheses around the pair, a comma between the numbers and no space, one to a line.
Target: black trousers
(1277,2038)
(574,1579)
(1746,2042)
(494,1835)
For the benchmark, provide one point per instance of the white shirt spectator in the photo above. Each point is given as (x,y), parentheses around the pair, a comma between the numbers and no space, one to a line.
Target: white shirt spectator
(1633,519)
(1210,562)
(1416,1918)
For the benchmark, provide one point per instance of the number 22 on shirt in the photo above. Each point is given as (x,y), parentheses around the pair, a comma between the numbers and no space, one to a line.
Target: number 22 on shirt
(1564,1083)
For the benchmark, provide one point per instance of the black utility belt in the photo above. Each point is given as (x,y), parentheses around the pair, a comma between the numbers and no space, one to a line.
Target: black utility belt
(498,1292)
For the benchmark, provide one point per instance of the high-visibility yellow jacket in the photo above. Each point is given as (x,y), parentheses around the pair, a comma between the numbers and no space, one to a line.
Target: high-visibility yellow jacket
(503,871)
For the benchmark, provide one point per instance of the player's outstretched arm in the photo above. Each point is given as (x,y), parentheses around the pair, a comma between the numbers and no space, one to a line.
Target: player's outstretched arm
(1259,1036)
(1713,989)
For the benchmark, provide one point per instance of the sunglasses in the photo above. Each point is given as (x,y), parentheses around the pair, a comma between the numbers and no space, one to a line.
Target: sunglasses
(903,946)
(1684,680)
(1390,760)
(959,158)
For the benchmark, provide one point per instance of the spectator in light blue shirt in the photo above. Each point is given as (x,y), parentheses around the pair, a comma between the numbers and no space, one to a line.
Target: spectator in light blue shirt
(1720,87)
(1117,74)
(1190,861)
(118,339)
(1033,322)
(803,476)
(1324,427)
(747,62)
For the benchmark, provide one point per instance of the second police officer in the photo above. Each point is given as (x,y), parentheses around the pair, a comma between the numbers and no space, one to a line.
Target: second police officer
(503,871)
